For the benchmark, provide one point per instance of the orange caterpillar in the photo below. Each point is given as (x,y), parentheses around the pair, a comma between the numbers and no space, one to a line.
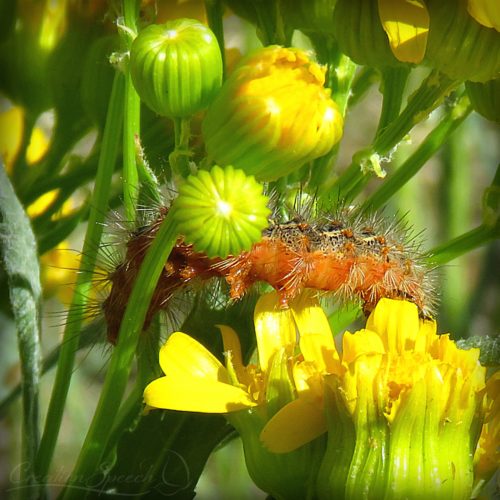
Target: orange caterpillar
(353,259)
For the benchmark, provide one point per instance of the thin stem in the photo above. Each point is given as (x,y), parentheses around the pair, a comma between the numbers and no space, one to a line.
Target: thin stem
(121,361)
(179,157)
(362,82)
(393,85)
(463,244)
(20,167)
(109,151)
(131,122)
(424,152)
(428,97)
(339,79)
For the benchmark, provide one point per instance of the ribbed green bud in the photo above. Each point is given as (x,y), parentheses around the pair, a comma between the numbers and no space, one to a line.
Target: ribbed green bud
(485,98)
(359,33)
(176,67)
(458,45)
(272,115)
(221,212)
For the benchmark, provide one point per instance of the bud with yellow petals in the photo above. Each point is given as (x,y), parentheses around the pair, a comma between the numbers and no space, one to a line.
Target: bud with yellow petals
(459,45)
(272,115)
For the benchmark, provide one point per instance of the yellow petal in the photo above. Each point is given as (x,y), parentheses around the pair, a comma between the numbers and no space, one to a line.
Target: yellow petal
(316,338)
(363,342)
(194,394)
(296,424)
(232,344)
(485,12)
(274,328)
(182,356)
(397,323)
(406,23)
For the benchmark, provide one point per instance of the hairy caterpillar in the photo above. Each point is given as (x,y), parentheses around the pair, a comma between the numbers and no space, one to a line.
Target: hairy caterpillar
(350,257)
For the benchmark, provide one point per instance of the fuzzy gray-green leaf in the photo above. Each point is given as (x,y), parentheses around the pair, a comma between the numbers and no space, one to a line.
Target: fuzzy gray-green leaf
(20,260)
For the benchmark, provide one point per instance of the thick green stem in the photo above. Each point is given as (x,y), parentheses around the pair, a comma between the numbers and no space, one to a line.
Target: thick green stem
(109,151)
(121,362)
(455,116)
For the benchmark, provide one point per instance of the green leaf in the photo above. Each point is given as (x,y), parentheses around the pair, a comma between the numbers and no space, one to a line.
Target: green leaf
(20,259)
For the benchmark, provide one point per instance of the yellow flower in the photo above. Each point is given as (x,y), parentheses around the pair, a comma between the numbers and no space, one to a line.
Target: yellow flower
(195,380)
(249,395)
(272,115)
(414,400)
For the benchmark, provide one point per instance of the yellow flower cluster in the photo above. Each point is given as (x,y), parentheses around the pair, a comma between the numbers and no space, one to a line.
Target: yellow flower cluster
(405,400)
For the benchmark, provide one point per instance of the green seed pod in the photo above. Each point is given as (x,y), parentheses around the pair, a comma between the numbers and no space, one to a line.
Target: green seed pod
(458,45)
(176,67)
(485,98)
(221,212)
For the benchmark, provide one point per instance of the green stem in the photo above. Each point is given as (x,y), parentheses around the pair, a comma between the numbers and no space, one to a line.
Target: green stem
(20,167)
(393,85)
(179,157)
(339,79)
(131,129)
(91,335)
(109,151)
(455,116)
(462,244)
(428,97)
(131,121)
(121,362)
(363,81)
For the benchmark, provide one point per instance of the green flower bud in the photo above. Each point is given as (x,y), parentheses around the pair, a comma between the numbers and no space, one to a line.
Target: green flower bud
(221,212)
(360,35)
(458,45)
(176,67)
(272,115)
(485,98)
